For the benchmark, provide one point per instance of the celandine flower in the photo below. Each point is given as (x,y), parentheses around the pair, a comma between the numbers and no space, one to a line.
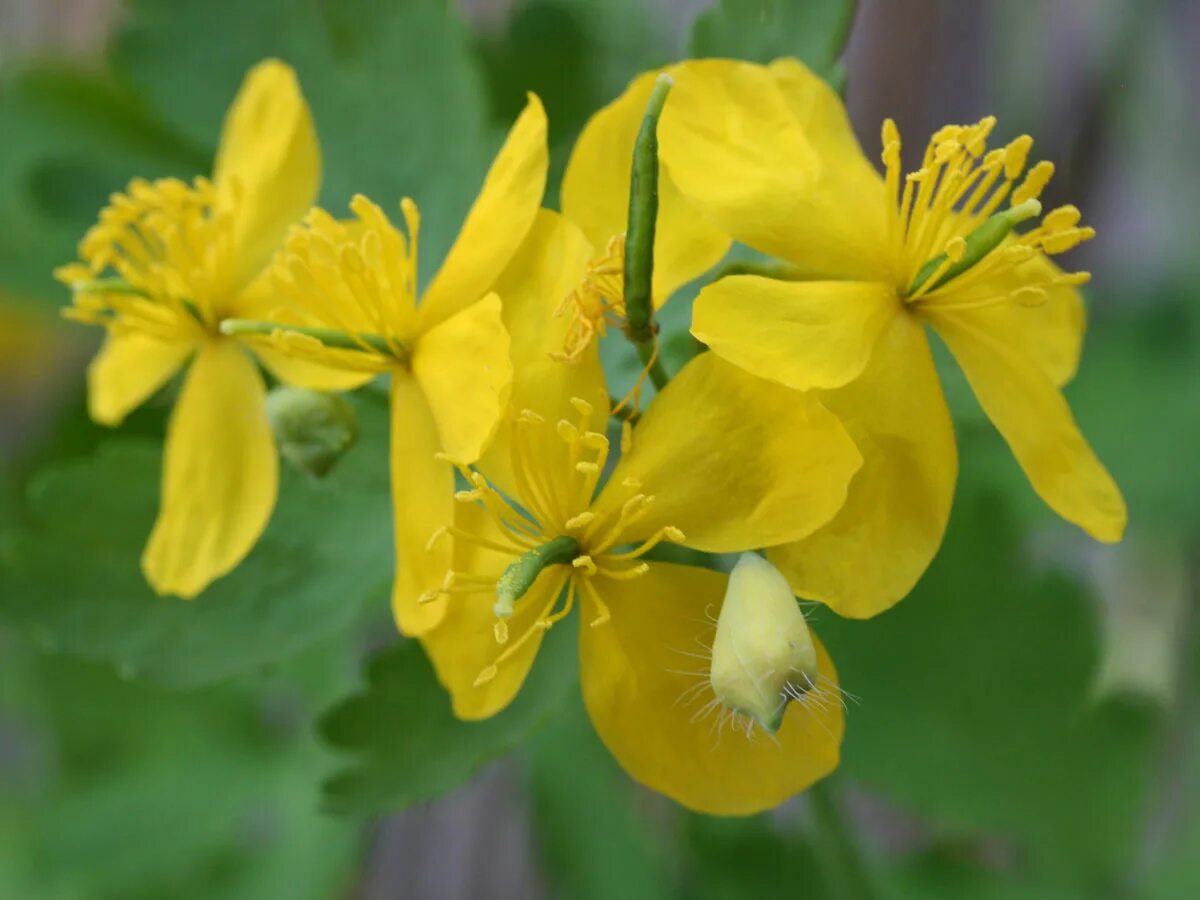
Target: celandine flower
(595,197)
(164,265)
(720,461)
(769,153)
(352,292)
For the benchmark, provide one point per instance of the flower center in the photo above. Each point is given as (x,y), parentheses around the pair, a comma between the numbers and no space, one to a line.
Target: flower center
(160,261)
(547,527)
(948,235)
(597,302)
(353,283)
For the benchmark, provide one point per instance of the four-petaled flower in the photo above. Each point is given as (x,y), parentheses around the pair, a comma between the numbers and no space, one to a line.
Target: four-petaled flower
(768,152)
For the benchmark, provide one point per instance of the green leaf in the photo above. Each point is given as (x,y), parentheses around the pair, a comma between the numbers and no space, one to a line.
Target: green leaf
(763,30)
(395,91)
(977,709)
(139,794)
(70,139)
(595,841)
(755,857)
(409,745)
(72,578)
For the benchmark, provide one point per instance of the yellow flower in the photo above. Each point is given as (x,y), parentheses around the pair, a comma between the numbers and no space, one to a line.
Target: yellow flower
(769,154)
(719,461)
(164,264)
(595,197)
(352,291)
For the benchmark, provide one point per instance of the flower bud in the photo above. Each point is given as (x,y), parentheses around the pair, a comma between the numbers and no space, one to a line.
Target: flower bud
(312,429)
(763,655)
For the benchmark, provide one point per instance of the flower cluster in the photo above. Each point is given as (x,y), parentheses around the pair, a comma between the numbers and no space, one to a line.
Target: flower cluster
(810,437)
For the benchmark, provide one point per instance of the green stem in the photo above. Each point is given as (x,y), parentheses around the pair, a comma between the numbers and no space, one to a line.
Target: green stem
(770,268)
(330,337)
(842,859)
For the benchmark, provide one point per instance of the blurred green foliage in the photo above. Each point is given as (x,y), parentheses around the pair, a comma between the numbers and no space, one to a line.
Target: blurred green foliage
(979,760)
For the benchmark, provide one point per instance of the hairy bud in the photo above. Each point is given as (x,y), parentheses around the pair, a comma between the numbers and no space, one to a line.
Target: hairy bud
(763,655)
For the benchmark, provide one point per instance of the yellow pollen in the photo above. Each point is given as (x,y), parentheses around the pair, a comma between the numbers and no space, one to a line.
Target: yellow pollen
(948,239)
(596,303)
(358,277)
(160,261)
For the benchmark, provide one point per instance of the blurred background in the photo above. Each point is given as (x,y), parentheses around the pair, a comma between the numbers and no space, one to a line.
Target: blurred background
(1027,723)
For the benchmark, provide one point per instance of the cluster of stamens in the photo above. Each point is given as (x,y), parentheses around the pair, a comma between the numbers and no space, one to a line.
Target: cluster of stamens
(167,253)
(945,232)
(364,267)
(550,512)
(597,302)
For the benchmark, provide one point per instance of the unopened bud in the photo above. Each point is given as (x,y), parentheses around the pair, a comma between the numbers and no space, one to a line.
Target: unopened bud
(312,429)
(763,655)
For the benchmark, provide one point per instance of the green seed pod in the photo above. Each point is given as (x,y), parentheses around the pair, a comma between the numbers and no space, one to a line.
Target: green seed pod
(763,655)
(312,429)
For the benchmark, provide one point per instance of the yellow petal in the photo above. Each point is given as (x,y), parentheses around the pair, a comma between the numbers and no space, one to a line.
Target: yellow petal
(734,461)
(595,195)
(646,693)
(220,474)
(802,334)
(1051,333)
(822,117)
(268,166)
(546,270)
(1030,411)
(734,145)
(497,223)
(464,369)
(877,547)
(127,370)
(548,267)
(465,645)
(422,502)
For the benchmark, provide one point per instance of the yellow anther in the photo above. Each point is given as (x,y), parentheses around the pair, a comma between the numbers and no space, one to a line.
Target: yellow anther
(674,535)
(1029,297)
(468,496)
(1067,240)
(582,406)
(1018,253)
(429,596)
(1062,218)
(579,521)
(1035,182)
(529,417)
(500,631)
(485,676)
(1073,279)
(435,538)
(567,431)
(586,563)
(890,134)
(587,468)
(626,436)
(1016,154)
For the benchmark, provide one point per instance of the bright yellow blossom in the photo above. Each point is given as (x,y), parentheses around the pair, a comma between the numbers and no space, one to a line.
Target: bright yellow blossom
(720,461)
(166,262)
(768,152)
(595,197)
(352,292)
